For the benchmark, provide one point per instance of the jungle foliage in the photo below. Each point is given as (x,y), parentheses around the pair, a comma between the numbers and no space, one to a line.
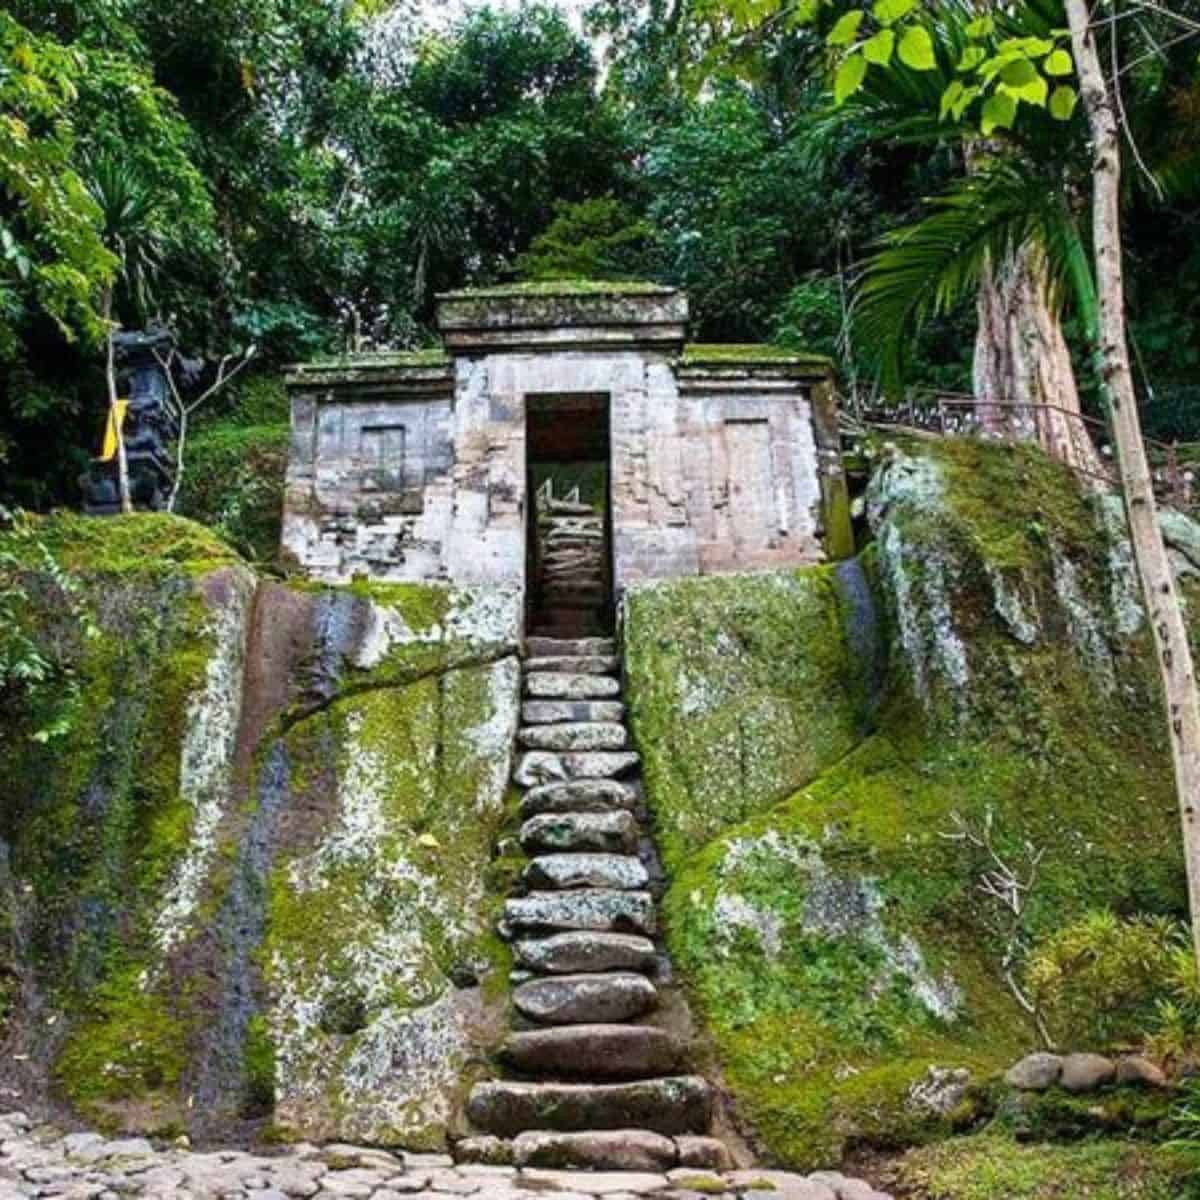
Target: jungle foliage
(307,175)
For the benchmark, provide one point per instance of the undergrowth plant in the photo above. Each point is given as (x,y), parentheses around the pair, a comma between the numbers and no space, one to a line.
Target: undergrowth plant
(38,683)
(1112,982)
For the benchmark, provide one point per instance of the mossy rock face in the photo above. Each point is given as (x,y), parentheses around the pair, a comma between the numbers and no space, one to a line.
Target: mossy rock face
(831,929)
(253,881)
(107,826)
(742,688)
(379,927)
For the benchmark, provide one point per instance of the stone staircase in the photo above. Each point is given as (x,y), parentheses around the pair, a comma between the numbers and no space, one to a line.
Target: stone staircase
(595,1082)
(572,576)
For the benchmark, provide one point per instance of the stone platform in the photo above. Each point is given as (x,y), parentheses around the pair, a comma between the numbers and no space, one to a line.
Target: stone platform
(39,1161)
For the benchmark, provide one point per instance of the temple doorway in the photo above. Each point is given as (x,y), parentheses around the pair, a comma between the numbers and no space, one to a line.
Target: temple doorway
(569,542)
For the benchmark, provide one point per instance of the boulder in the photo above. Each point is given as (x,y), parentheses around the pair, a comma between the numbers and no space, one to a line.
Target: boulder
(599,909)
(1087,1072)
(586,870)
(605,832)
(706,1153)
(592,664)
(1138,1071)
(600,764)
(578,795)
(1035,1072)
(669,1105)
(544,647)
(555,712)
(492,1151)
(555,685)
(575,735)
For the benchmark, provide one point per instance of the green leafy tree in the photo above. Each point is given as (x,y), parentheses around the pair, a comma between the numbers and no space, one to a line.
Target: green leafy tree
(600,238)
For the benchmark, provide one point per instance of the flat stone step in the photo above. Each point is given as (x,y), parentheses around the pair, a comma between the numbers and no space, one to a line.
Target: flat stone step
(593,1053)
(577,735)
(670,1105)
(559,871)
(586,999)
(600,832)
(548,647)
(563,712)
(577,951)
(543,766)
(578,795)
(605,910)
(574,664)
(596,1150)
(558,685)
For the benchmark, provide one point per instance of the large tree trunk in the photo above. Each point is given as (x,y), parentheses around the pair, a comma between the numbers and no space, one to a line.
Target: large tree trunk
(1112,357)
(1024,380)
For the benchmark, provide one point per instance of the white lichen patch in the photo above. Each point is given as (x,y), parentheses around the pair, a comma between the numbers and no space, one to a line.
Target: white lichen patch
(1125,594)
(1018,612)
(928,636)
(492,740)
(207,754)
(477,618)
(1084,625)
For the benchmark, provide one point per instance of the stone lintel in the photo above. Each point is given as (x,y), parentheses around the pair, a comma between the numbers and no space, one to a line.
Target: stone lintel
(570,316)
(736,368)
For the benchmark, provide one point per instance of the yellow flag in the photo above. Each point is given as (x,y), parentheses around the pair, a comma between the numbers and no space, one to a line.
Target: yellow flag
(116,419)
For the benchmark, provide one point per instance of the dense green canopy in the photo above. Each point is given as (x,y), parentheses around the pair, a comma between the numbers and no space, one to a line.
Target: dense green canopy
(307,174)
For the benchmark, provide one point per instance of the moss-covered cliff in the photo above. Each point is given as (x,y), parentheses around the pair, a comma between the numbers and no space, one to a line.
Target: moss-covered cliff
(825,917)
(251,882)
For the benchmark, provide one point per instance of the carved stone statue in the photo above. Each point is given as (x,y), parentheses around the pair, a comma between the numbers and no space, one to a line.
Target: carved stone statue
(148,428)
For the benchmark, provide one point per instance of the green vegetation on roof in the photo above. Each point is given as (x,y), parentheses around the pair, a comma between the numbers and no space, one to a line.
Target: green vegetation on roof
(749,354)
(562,287)
(432,356)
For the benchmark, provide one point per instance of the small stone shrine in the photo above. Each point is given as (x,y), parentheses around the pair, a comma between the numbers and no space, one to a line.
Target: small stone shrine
(693,459)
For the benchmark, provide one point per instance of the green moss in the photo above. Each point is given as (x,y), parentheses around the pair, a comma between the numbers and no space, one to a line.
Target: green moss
(990,1166)
(741,689)
(750,355)
(562,287)
(141,543)
(259,1067)
(130,1046)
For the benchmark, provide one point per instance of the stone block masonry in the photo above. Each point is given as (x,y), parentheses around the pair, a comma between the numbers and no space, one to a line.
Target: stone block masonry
(415,467)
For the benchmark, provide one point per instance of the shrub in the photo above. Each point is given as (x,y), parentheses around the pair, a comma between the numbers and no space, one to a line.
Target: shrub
(1125,981)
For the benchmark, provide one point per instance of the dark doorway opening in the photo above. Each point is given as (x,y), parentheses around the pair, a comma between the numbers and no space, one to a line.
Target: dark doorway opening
(569,541)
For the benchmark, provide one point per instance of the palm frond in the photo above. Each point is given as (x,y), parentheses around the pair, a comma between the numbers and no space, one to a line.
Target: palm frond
(923,270)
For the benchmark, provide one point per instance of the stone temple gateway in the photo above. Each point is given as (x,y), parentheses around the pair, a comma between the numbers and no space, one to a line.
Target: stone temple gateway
(424,467)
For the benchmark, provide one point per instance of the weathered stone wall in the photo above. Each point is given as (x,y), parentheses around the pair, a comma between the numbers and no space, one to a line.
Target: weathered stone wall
(719,462)
(370,488)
